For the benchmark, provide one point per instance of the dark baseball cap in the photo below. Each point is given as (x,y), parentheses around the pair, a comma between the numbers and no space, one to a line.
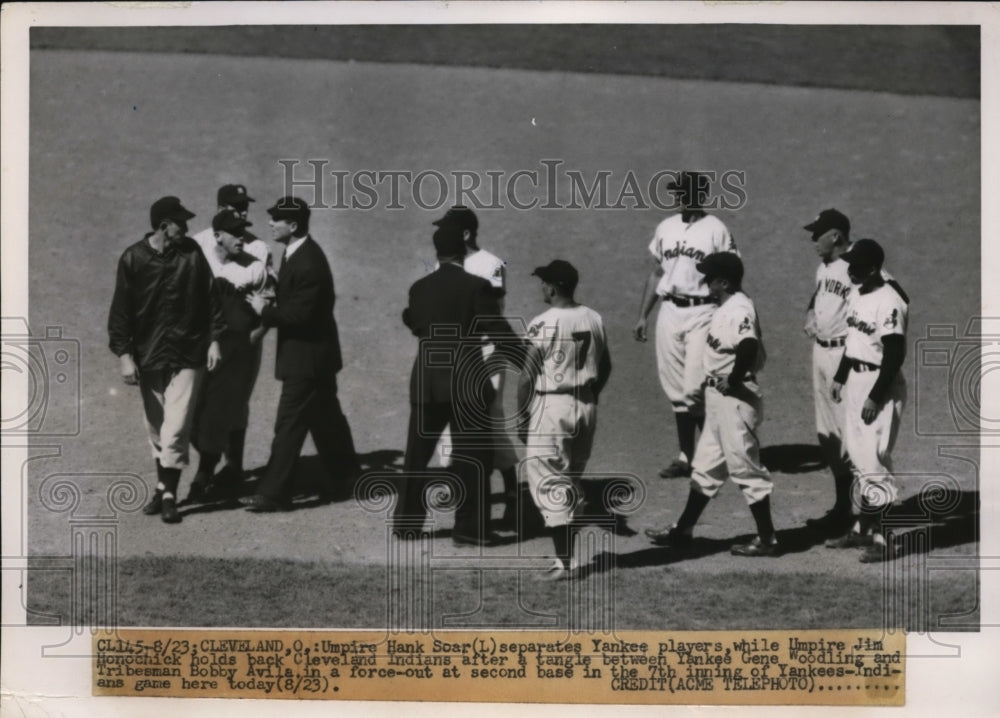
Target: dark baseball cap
(826,220)
(233,194)
(866,252)
(460,216)
(560,273)
(448,241)
(229,221)
(290,208)
(724,265)
(168,208)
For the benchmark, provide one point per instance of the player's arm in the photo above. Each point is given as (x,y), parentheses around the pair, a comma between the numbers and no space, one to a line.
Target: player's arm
(746,358)
(218,319)
(893,354)
(649,298)
(603,371)
(120,324)
(840,377)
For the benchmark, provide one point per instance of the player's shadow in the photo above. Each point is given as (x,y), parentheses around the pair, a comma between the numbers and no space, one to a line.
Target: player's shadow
(792,458)
(310,485)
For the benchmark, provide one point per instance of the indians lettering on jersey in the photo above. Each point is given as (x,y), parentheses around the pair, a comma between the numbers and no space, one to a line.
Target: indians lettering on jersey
(572,340)
(679,246)
(873,315)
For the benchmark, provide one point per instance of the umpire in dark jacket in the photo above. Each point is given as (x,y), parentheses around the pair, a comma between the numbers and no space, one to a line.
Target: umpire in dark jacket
(308,359)
(450,311)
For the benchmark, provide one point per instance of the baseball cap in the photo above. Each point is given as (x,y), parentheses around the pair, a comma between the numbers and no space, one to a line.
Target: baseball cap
(448,241)
(290,208)
(168,208)
(560,273)
(724,265)
(233,194)
(229,221)
(866,252)
(461,216)
(692,185)
(826,220)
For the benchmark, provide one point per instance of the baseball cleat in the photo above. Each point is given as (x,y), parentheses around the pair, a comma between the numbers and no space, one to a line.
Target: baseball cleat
(877,553)
(155,505)
(169,511)
(677,470)
(669,538)
(756,548)
(559,571)
(852,539)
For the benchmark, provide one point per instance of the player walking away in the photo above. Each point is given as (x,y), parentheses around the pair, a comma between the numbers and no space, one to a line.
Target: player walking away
(226,391)
(869,383)
(493,269)
(679,243)
(567,366)
(728,445)
(826,324)
(164,325)
(242,276)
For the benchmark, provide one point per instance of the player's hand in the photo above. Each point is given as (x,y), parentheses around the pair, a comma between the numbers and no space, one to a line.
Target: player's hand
(639,330)
(257,302)
(724,385)
(256,334)
(869,410)
(214,356)
(835,389)
(810,327)
(130,372)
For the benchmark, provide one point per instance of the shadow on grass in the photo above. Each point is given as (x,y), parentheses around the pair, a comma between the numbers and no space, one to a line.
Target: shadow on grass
(792,458)
(935,518)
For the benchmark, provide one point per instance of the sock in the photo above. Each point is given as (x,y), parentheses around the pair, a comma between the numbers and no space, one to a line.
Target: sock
(509,481)
(696,503)
(761,511)
(171,477)
(842,486)
(562,543)
(686,427)
(234,451)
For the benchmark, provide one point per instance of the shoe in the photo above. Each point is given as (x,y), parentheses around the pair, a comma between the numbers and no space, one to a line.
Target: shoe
(833,520)
(197,493)
(677,470)
(490,539)
(169,513)
(669,538)
(155,505)
(877,553)
(852,539)
(262,505)
(756,548)
(559,571)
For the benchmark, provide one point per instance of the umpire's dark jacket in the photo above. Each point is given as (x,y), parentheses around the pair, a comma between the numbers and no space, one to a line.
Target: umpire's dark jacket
(308,344)
(451,310)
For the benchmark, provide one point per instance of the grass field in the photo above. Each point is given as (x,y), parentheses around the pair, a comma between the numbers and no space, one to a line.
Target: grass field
(112,131)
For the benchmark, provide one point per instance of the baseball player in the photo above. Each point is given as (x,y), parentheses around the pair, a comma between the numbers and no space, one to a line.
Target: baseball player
(734,354)
(826,324)
(872,389)
(493,269)
(566,367)
(679,243)
(243,276)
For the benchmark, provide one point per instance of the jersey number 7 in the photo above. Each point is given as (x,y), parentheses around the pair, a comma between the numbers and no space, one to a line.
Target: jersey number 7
(582,341)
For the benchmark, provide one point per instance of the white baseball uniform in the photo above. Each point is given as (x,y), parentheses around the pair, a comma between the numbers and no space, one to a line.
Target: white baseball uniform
(873,315)
(686,309)
(244,277)
(728,444)
(491,268)
(573,344)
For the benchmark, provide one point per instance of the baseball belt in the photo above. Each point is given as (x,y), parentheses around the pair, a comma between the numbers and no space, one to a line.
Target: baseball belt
(858,365)
(830,343)
(688,301)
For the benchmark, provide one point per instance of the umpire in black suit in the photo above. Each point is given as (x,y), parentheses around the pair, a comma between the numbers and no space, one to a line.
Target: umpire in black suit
(308,359)
(450,311)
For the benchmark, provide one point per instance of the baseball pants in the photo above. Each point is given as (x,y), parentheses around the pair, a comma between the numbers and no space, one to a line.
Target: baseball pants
(223,400)
(557,451)
(680,344)
(169,400)
(870,445)
(728,447)
(829,414)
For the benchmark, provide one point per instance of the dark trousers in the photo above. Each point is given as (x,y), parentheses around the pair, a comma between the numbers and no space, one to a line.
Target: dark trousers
(309,405)
(471,461)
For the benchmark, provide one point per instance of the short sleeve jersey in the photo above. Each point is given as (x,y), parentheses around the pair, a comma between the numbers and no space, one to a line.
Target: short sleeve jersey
(678,246)
(734,321)
(244,275)
(871,316)
(573,341)
(486,265)
(833,285)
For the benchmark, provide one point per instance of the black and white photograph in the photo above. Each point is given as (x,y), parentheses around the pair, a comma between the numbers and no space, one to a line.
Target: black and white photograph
(514,317)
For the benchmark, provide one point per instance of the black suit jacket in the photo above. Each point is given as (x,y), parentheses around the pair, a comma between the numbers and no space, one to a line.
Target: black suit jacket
(308,344)
(451,311)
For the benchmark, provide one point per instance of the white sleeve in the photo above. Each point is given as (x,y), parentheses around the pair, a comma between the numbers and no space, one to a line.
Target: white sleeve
(891,315)
(654,248)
